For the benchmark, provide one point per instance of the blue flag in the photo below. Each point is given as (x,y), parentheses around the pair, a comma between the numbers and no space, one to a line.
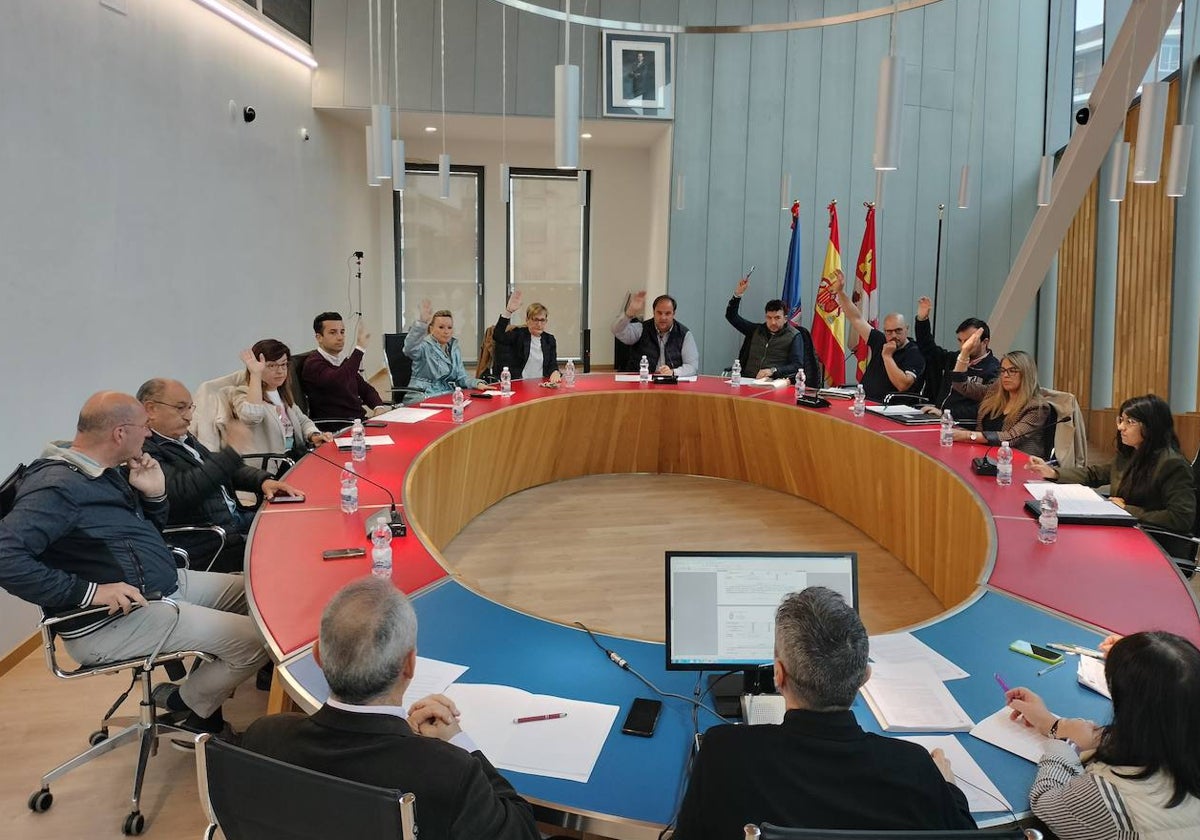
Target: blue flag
(791,274)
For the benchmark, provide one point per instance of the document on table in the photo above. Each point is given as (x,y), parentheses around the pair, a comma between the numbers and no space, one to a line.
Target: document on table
(406,414)
(981,792)
(763,708)
(898,411)
(899,648)
(446,403)
(909,697)
(372,440)
(1091,675)
(633,377)
(1011,735)
(432,676)
(1076,499)
(762,383)
(838,392)
(563,748)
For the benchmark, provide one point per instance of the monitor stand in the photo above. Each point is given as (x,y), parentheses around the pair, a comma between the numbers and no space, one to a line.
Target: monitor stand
(727,689)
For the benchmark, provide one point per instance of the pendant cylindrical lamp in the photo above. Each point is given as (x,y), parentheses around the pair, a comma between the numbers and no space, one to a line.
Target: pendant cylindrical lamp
(785,192)
(1045,181)
(1181,159)
(505,183)
(566,116)
(889,112)
(381,120)
(444,175)
(372,180)
(680,185)
(1118,169)
(1152,123)
(398,166)
(582,179)
(964,187)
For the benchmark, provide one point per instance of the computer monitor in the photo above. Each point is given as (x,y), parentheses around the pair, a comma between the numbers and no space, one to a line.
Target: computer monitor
(721,604)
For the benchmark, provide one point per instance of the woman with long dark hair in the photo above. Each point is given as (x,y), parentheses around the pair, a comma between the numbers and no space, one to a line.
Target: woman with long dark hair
(1149,476)
(265,404)
(1011,408)
(1142,774)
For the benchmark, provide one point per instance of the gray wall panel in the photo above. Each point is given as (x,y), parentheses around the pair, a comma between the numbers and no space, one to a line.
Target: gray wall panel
(539,49)
(419,64)
(461,40)
(489,46)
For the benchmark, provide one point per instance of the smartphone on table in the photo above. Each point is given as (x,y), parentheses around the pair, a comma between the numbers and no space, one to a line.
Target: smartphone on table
(1036,651)
(642,717)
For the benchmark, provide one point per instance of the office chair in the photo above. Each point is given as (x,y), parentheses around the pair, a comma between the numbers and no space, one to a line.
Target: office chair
(213,410)
(144,730)
(399,365)
(252,797)
(1181,548)
(767,831)
(295,365)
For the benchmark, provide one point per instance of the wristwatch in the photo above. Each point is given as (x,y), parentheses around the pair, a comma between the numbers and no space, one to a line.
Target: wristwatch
(974,436)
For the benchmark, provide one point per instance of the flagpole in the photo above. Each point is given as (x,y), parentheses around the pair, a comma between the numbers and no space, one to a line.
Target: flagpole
(937,271)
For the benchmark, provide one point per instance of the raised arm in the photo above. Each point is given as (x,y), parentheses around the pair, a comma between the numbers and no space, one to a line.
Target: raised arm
(837,285)
(732,313)
(624,329)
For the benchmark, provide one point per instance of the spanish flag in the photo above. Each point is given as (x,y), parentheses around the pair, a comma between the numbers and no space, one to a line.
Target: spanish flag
(829,324)
(866,281)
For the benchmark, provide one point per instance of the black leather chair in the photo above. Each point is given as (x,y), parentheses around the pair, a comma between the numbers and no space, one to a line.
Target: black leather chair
(252,797)
(1182,548)
(399,365)
(767,831)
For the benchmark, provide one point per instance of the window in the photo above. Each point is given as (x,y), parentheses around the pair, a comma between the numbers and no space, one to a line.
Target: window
(439,250)
(293,15)
(1089,49)
(548,252)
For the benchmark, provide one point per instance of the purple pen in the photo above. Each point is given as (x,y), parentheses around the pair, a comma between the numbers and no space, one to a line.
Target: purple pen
(1000,681)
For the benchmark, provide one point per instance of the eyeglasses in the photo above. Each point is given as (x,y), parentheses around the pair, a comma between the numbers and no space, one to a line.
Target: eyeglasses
(539,320)
(277,365)
(145,425)
(181,407)
(1128,421)
(1010,371)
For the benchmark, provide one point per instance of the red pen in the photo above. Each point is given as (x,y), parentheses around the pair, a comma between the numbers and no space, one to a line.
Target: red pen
(536,718)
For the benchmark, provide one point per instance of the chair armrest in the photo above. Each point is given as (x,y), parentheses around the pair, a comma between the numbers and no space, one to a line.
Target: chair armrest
(216,531)
(47,626)
(263,461)
(904,398)
(1181,548)
(335,425)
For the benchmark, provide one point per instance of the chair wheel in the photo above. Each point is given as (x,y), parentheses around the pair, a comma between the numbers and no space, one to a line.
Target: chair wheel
(134,825)
(40,801)
(97,737)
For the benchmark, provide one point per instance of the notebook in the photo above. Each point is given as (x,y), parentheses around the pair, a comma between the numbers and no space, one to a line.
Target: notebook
(909,697)
(906,414)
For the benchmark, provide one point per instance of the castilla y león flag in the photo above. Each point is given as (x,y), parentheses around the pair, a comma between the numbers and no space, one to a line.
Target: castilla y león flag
(866,280)
(829,324)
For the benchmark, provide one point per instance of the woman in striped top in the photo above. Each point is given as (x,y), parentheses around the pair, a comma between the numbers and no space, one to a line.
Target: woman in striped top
(1141,780)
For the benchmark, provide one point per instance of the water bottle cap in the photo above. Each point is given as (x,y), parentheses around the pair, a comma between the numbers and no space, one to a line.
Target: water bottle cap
(505,369)
(350,466)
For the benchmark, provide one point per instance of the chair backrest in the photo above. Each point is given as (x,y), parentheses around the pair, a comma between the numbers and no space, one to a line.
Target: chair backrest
(8,490)
(253,797)
(1195,484)
(625,357)
(295,365)
(814,371)
(767,831)
(1070,438)
(487,355)
(212,410)
(399,364)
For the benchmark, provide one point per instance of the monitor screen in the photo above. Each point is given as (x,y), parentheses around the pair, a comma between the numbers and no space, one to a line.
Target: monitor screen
(721,605)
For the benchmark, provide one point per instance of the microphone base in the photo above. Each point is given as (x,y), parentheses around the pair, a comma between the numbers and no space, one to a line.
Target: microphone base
(984,466)
(393,519)
(813,401)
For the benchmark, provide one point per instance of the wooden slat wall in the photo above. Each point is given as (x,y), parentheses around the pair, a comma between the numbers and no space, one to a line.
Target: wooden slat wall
(1145,260)
(1077,303)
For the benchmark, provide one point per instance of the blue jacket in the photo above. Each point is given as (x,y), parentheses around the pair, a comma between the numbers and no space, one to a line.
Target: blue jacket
(434,371)
(74,525)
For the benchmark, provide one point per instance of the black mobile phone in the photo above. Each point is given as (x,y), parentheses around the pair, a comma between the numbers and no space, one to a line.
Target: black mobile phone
(481,395)
(374,424)
(343,553)
(283,499)
(642,717)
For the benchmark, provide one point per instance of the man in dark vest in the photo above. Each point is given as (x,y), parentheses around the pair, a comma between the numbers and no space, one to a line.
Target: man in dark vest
(669,346)
(772,349)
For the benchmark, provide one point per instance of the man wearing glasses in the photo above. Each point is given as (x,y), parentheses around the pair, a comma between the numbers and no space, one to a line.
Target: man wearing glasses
(84,531)
(896,363)
(201,484)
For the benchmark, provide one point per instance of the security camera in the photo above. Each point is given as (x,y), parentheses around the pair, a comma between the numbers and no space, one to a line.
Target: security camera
(1083,115)
(248,114)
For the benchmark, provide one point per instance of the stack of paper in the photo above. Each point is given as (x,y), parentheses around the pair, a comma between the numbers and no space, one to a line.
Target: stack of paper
(840,392)
(406,414)
(982,793)
(766,382)
(1091,675)
(1075,499)
(565,747)
(763,708)
(633,377)
(898,648)
(911,698)
(372,440)
(1014,736)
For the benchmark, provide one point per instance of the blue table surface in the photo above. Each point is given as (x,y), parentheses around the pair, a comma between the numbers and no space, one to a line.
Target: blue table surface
(643,778)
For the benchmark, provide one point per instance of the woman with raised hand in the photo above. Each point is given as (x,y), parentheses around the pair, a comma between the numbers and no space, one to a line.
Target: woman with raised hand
(265,405)
(436,357)
(1149,476)
(528,351)
(1010,408)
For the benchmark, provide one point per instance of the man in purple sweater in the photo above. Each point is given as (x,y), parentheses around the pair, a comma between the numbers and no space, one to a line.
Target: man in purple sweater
(332,383)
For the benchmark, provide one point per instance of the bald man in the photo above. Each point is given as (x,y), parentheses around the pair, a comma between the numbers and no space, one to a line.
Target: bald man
(896,363)
(84,531)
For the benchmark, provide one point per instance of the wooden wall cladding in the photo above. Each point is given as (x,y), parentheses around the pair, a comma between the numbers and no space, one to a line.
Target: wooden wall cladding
(1077,303)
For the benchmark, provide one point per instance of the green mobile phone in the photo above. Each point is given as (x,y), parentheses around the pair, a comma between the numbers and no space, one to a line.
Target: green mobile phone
(1036,651)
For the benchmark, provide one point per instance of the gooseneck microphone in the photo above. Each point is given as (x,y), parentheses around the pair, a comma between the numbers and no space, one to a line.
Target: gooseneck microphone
(395,520)
(984,465)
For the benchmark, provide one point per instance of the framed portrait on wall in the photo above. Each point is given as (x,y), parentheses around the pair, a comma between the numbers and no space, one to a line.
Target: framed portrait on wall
(639,75)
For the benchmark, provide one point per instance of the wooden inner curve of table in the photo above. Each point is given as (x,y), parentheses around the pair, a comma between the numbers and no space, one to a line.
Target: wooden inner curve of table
(910,504)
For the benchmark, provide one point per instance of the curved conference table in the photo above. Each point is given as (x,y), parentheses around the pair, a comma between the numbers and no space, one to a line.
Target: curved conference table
(967,538)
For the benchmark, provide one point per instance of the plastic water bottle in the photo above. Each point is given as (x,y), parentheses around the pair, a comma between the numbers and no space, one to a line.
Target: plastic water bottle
(860,402)
(735,373)
(1004,465)
(801,384)
(644,371)
(1048,521)
(946,436)
(569,374)
(381,554)
(460,404)
(349,489)
(505,383)
(358,442)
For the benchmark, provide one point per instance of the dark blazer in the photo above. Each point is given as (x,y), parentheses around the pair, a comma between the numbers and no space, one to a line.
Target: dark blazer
(512,349)
(460,796)
(194,487)
(815,770)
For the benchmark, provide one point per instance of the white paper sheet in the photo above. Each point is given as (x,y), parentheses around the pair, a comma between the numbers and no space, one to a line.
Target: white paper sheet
(895,648)
(1075,499)
(566,748)
(981,792)
(761,383)
(372,440)
(1091,675)
(1011,735)
(909,697)
(432,676)
(406,414)
(440,404)
(633,377)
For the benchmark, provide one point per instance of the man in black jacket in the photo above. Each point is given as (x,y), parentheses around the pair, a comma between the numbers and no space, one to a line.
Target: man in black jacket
(773,348)
(367,651)
(83,531)
(818,769)
(202,485)
(939,363)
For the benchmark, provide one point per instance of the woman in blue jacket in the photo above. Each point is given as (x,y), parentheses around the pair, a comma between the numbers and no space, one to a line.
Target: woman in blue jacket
(436,356)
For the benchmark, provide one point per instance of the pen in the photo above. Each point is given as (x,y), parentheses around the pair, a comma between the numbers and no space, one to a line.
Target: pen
(751,271)
(1077,649)
(535,718)
(1000,681)
(1050,668)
